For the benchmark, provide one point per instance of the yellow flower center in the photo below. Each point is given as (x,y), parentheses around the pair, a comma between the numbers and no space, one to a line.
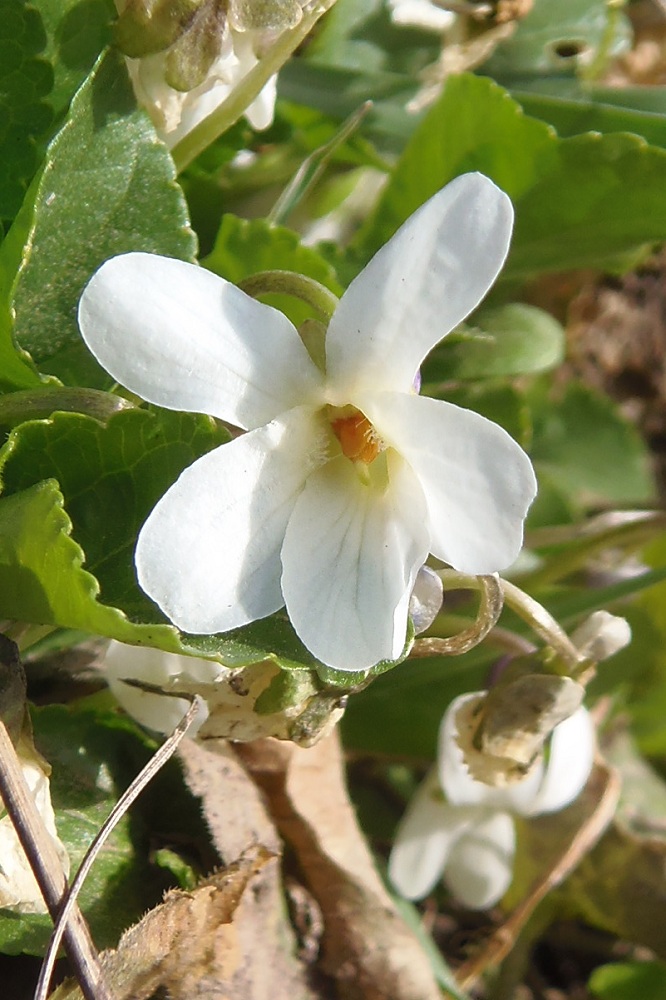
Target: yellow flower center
(358,438)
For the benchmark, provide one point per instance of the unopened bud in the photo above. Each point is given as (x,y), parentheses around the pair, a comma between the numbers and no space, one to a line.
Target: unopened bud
(426,599)
(601,636)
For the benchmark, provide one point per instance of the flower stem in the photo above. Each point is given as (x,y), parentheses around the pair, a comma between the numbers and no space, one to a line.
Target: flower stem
(242,96)
(490,608)
(300,286)
(531,612)
(34,404)
(541,622)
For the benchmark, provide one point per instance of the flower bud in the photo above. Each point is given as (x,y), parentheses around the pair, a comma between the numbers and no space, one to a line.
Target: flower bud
(601,636)
(426,599)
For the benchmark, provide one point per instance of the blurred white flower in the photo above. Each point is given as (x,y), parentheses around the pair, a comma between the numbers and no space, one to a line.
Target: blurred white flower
(175,112)
(462,830)
(19,890)
(601,636)
(347,478)
(185,59)
(424,14)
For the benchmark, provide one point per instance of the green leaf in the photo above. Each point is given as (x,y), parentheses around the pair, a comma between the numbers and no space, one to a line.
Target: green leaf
(46,49)
(589,450)
(25,80)
(587,113)
(588,201)
(94,757)
(514,339)
(108,187)
(111,477)
(243,248)
(76,33)
(629,981)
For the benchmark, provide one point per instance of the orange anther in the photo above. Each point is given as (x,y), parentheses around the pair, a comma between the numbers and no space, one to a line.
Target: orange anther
(358,439)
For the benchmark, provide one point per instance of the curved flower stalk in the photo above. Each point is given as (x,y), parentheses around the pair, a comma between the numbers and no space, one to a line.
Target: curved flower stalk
(19,890)
(346,478)
(463,830)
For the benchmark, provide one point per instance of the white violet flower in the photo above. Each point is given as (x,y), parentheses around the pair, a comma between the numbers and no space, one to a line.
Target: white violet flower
(345,480)
(175,113)
(463,830)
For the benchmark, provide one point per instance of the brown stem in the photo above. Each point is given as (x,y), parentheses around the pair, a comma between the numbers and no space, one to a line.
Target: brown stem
(45,863)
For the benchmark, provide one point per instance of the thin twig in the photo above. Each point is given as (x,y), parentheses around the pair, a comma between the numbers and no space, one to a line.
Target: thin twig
(156,762)
(45,863)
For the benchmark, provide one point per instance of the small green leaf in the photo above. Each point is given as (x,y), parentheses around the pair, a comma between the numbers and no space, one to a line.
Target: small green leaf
(629,981)
(587,113)
(108,187)
(589,450)
(514,339)
(243,248)
(111,477)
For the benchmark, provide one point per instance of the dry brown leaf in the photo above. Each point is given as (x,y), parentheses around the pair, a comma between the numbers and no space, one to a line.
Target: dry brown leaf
(230,938)
(366,947)
(236,817)
(188,945)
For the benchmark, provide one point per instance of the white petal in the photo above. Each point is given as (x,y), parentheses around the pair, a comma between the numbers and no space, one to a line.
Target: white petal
(162,713)
(480,866)
(179,336)
(477,481)
(572,749)
(424,839)
(417,288)
(209,553)
(350,557)
(458,784)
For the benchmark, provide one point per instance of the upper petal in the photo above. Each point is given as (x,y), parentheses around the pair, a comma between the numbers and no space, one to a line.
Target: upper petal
(179,336)
(480,866)
(209,553)
(417,288)
(424,839)
(572,749)
(477,481)
(350,556)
